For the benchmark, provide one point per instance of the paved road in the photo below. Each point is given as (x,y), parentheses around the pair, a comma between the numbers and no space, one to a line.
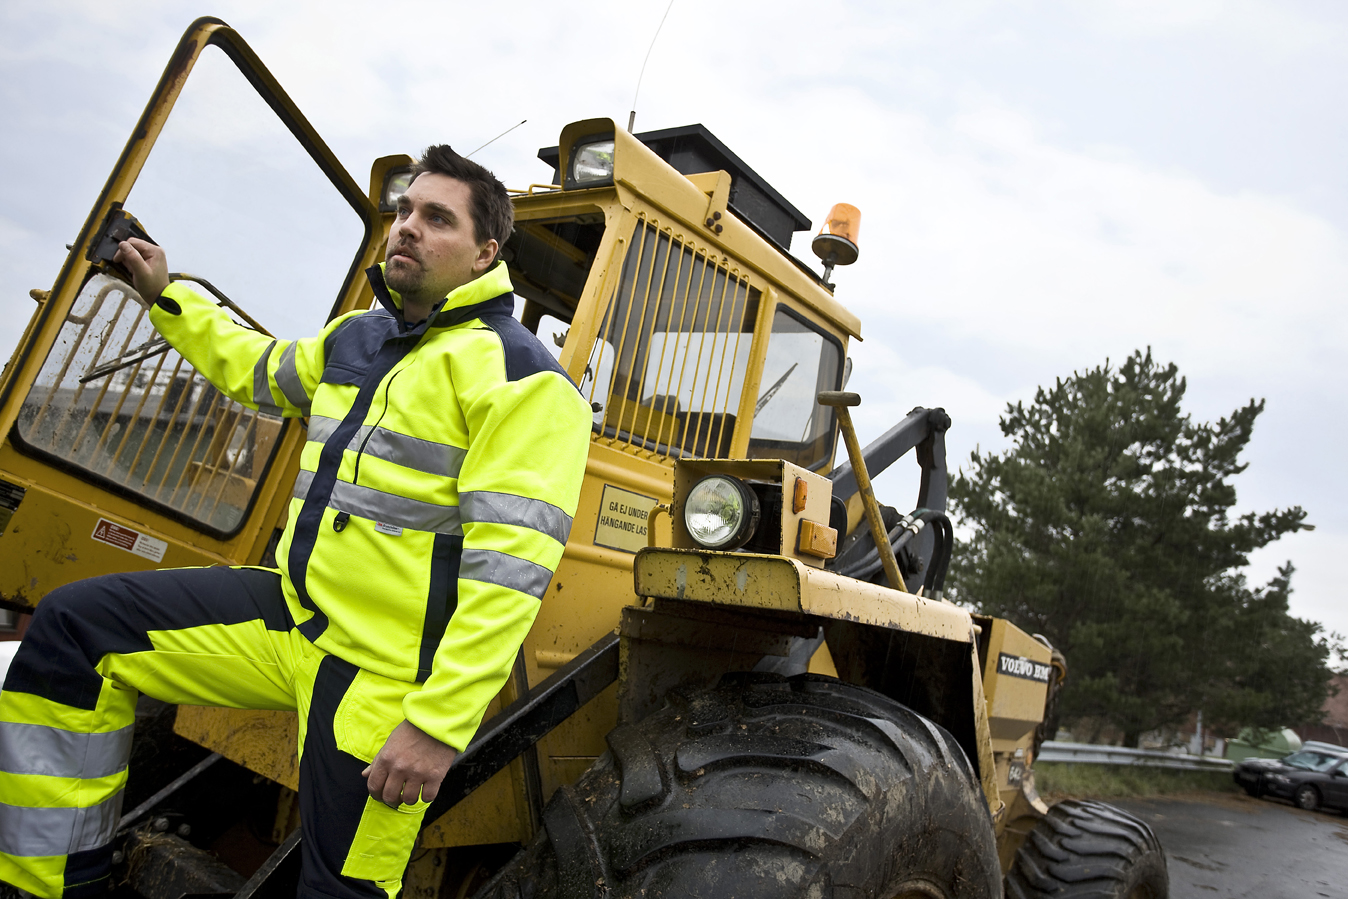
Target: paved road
(1234,846)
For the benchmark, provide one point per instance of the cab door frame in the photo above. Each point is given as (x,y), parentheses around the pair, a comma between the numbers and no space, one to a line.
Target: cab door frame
(61,503)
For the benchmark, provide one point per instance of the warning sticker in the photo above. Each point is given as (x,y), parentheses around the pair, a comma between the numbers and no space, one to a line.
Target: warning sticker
(142,545)
(622,519)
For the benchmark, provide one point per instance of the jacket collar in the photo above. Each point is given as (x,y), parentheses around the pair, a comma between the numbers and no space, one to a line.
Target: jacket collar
(480,296)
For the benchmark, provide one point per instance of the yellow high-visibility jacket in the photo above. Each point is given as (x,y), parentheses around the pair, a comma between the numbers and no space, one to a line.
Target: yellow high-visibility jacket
(437,487)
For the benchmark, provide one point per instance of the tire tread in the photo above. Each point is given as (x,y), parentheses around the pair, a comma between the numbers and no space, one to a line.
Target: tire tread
(1084,848)
(765,786)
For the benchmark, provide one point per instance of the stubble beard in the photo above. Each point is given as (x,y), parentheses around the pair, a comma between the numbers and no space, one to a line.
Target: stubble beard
(408,279)
(404,277)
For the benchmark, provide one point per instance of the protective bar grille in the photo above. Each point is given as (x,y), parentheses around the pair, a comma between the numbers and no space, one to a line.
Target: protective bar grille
(115,400)
(668,366)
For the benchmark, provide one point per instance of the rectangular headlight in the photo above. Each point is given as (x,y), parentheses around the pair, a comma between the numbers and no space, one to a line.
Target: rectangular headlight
(396,183)
(590,162)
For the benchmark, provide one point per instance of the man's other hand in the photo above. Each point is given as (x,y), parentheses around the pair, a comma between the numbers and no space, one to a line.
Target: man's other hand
(147,264)
(410,766)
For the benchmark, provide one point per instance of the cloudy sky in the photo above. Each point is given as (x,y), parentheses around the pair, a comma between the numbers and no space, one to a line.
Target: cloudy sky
(1044,185)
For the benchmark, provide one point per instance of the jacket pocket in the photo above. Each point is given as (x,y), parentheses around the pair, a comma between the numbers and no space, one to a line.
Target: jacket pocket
(339,373)
(368,713)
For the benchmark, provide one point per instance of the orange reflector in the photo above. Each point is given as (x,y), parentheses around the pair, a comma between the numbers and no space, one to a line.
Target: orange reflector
(818,540)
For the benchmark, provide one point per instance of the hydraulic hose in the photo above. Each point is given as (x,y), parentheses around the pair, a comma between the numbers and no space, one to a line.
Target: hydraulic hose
(934,583)
(868,565)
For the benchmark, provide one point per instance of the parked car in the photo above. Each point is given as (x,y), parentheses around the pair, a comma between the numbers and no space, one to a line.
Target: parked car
(1312,778)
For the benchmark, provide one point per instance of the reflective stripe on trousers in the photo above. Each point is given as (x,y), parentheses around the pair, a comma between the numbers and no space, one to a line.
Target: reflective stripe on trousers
(207,636)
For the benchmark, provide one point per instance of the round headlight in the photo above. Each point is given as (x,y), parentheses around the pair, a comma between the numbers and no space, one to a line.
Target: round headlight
(721,512)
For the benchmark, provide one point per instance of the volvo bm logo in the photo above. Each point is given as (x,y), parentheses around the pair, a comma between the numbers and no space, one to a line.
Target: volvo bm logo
(1019,666)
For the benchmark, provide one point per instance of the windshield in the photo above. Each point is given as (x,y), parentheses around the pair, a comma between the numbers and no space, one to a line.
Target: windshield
(789,423)
(1312,761)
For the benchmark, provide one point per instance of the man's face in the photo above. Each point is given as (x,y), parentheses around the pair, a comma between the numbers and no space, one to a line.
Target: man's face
(431,247)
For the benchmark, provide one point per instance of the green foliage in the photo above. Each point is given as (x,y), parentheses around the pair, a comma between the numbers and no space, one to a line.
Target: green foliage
(1107,527)
(1056,781)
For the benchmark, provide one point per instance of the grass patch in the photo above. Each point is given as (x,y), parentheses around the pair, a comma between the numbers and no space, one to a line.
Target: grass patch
(1067,780)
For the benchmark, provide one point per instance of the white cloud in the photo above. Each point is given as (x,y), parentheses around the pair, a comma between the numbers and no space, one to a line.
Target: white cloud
(12,236)
(1008,239)
(891,386)
(1317,584)
(1277,27)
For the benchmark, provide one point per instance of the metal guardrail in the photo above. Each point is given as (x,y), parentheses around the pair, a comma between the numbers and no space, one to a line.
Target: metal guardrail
(1091,754)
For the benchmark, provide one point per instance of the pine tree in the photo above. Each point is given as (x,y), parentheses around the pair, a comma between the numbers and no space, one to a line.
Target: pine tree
(1107,527)
(1269,680)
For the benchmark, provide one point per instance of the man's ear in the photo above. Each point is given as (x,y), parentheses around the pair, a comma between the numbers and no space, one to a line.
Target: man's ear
(486,255)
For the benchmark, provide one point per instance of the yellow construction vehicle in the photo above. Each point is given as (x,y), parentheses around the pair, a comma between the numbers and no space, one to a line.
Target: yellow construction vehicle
(744,679)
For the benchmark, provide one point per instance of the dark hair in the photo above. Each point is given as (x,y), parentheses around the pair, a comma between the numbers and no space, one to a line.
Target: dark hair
(492,212)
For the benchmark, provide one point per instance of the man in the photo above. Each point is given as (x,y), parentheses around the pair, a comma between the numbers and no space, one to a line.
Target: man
(424,528)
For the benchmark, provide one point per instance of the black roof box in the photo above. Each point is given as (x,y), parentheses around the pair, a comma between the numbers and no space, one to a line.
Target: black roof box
(691,149)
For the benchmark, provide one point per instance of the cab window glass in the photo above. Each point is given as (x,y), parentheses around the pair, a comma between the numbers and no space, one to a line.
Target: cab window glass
(667,369)
(789,423)
(238,202)
(552,333)
(549,261)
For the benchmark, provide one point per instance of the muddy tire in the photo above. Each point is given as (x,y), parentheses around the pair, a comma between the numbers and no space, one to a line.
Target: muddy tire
(1089,849)
(767,787)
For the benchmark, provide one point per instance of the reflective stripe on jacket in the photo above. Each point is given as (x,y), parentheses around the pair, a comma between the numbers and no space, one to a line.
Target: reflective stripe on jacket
(442,470)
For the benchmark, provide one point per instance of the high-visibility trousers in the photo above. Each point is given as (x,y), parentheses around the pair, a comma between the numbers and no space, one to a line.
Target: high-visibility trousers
(198,636)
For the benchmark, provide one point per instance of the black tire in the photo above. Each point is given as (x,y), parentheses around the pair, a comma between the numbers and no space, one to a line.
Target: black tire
(1089,849)
(1253,790)
(1307,797)
(767,787)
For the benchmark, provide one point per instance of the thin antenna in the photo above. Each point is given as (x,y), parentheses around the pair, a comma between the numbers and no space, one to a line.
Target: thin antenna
(497,137)
(632,119)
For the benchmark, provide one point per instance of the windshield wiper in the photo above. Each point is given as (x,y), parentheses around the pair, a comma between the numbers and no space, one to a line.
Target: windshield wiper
(772,391)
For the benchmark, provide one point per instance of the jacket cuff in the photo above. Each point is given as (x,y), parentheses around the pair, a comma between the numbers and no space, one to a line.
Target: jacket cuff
(456,735)
(171,301)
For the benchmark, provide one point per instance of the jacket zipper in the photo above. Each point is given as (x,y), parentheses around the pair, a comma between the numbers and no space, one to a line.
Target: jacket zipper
(339,523)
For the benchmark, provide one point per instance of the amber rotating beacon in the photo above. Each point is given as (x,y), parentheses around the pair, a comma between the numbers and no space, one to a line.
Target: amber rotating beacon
(836,242)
